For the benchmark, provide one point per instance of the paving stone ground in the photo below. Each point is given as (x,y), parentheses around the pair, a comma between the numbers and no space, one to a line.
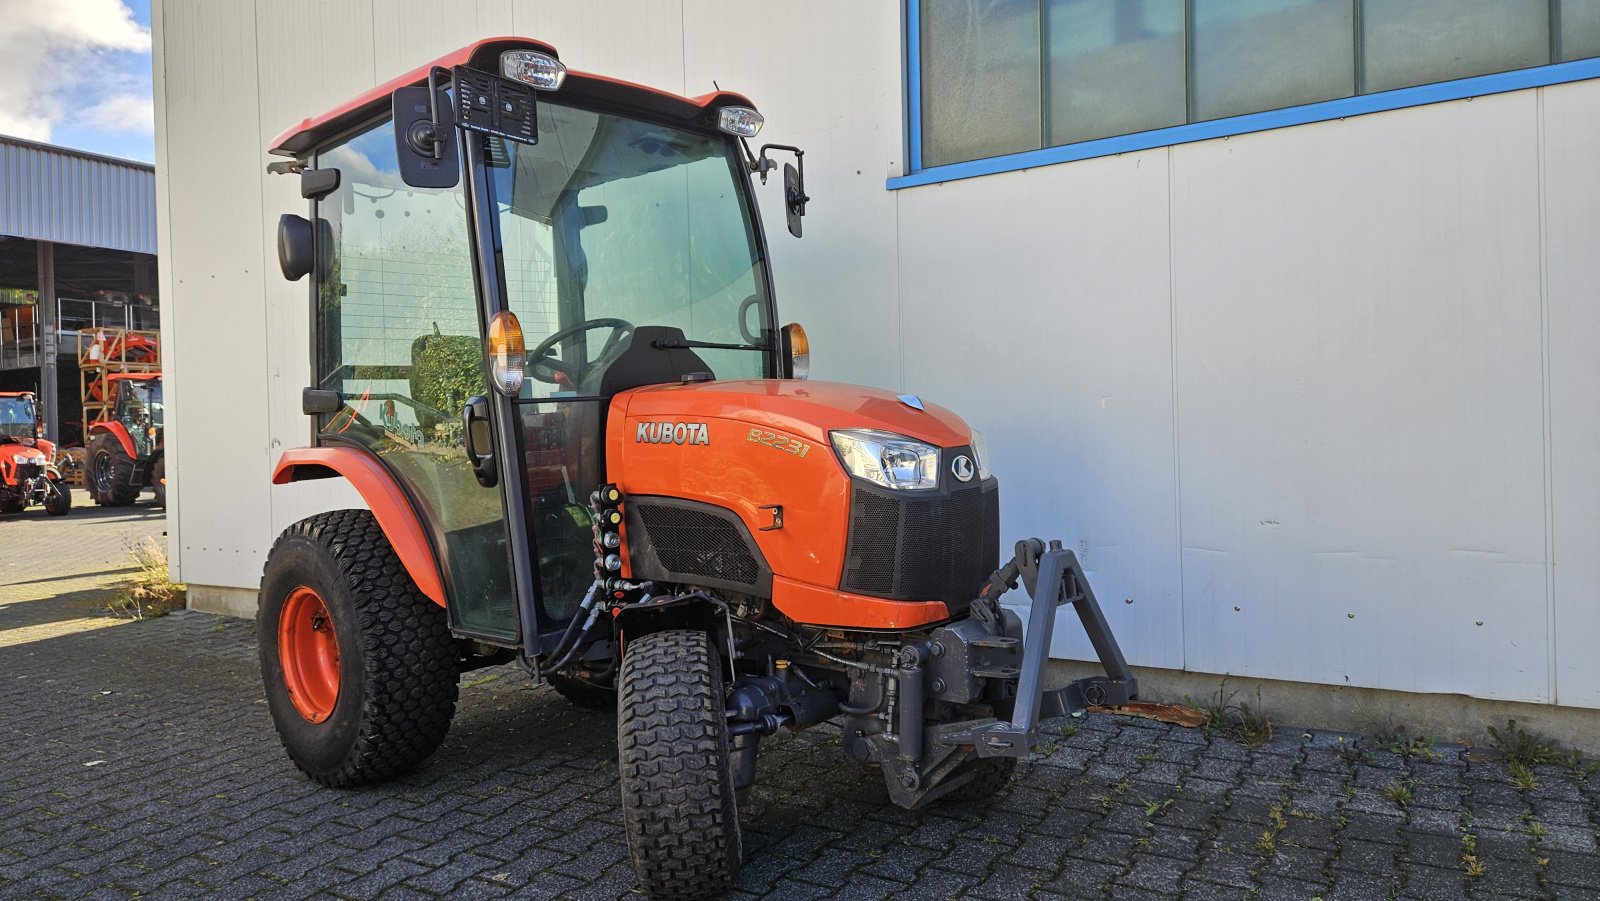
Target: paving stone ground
(138,760)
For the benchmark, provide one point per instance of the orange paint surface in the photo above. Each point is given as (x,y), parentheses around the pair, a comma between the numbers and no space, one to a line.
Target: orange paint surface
(388,503)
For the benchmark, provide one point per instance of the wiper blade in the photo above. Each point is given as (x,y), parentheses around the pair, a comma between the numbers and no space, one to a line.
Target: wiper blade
(674,343)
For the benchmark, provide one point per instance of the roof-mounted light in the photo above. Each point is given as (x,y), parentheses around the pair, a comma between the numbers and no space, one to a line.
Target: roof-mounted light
(531,67)
(740,121)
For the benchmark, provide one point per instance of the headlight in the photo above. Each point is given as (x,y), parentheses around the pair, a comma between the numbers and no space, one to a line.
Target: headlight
(19,458)
(887,459)
(980,452)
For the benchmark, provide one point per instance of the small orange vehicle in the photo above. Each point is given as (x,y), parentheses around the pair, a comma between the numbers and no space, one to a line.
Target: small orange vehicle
(28,475)
(546,353)
(127,449)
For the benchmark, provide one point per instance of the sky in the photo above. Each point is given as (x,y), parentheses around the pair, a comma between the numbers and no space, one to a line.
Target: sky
(77,74)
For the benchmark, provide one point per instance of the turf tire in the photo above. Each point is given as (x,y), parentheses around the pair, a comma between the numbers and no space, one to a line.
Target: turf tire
(110,472)
(678,804)
(397,661)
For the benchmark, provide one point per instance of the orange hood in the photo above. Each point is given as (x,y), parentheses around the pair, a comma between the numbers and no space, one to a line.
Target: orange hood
(805,409)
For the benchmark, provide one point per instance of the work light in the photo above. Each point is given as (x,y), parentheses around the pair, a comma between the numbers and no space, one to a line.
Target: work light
(531,67)
(740,121)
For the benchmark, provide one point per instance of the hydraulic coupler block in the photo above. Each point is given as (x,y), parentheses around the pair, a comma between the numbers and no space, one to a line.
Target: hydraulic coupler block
(964,654)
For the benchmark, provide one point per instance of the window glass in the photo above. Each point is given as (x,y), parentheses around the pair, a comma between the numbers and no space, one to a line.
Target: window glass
(1113,67)
(1580,29)
(980,79)
(1412,42)
(1254,55)
(398,337)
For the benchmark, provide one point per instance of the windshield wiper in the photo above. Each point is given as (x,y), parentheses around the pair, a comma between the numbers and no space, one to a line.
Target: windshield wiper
(675,343)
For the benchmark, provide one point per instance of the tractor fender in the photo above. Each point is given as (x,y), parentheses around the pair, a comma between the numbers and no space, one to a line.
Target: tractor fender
(116,429)
(699,612)
(389,504)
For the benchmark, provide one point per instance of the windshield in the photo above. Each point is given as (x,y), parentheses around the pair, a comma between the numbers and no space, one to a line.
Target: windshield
(611,218)
(145,397)
(16,417)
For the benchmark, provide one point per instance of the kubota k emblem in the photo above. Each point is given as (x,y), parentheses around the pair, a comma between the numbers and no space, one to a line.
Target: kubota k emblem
(672,433)
(961,467)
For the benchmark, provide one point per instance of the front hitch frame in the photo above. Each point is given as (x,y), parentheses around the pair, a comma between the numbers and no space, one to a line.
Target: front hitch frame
(1054,578)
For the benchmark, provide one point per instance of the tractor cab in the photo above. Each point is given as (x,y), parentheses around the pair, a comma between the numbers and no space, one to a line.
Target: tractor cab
(603,235)
(19,416)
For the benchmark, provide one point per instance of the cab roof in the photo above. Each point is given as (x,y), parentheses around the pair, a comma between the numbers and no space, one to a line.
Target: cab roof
(16,394)
(485,55)
(133,376)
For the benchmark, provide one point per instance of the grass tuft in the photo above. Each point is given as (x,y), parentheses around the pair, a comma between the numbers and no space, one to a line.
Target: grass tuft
(152,592)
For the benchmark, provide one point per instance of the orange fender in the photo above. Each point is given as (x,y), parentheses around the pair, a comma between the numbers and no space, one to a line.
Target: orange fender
(115,428)
(389,504)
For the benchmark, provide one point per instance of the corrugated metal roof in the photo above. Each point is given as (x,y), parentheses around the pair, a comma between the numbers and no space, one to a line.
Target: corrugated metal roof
(52,193)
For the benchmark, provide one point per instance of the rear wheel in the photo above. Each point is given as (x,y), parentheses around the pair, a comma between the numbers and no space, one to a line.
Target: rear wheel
(59,501)
(677,789)
(359,666)
(110,472)
(158,481)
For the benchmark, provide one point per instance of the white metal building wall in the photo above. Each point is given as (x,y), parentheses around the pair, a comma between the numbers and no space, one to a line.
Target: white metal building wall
(1314,404)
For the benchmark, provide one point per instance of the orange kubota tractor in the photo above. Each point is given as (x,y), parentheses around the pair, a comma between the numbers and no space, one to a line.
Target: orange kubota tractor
(545,352)
(127,448)
(28,473)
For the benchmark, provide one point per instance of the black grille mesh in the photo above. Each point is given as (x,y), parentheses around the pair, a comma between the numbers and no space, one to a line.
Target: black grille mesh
(934,549)
(27,471)
(688,543)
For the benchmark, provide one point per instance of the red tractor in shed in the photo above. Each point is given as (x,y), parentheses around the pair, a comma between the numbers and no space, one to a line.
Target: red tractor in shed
(546,352)
(127,445)
(28,474)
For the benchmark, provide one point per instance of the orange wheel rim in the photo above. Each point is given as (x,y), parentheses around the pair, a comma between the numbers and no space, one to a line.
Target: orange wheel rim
(309,652)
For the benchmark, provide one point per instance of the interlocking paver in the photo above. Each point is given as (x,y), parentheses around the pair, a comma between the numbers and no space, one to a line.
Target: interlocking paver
(189,795)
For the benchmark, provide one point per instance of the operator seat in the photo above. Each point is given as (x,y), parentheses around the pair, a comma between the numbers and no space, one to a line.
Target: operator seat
(643,363)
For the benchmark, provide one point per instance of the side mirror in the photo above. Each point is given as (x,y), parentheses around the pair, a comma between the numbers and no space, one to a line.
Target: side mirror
(425,138)
(794,195)
(297,254)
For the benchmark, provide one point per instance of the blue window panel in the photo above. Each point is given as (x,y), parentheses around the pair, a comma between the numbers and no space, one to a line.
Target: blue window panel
(980,78)
(1579,34)
(1254,55)
(1113,67)
(1412,42)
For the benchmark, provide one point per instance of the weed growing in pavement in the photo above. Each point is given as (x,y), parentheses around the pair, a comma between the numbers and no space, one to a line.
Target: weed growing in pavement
(1069,730)
(1475,869)
(1536,829)
(1521,776)
(1155,807)
(1398,792)
(152,592)
(1393,739)
(1241,722)
(1518,745)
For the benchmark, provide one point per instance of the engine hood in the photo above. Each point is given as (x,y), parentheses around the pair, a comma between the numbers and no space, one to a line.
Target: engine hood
(802,408)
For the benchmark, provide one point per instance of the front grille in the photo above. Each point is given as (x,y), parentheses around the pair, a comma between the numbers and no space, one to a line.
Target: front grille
(927,549)
(26,471)
(691,543)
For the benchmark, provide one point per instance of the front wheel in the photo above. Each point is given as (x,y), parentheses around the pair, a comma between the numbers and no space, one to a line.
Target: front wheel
(59,501)
(359,666)
(677,788)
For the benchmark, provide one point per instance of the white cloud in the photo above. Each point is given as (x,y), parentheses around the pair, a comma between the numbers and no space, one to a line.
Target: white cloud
(121,114)
(51,49)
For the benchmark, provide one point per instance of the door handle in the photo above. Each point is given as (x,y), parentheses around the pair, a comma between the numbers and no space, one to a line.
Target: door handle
(475,424)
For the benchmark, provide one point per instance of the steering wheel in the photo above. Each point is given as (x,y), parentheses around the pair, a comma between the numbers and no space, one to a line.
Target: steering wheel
(545,368)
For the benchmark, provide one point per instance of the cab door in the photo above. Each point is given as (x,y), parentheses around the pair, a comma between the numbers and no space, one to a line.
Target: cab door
(397,333)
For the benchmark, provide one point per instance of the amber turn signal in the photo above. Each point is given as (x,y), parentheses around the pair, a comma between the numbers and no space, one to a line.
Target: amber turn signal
(508,355)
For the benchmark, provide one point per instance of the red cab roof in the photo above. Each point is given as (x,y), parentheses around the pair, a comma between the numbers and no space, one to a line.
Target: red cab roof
(485,54)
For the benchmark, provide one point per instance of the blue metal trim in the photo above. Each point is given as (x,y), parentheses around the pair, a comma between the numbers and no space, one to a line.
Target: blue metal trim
(914,82)
(1421,95)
